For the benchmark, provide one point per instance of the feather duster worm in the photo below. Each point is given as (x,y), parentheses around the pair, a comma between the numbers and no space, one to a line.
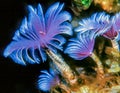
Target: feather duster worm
(38,32)
(112,33)
(81,47)
(98,23)
(114,30)
(48,80)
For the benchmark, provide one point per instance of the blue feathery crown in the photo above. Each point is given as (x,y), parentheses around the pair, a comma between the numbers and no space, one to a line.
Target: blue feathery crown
(38,32)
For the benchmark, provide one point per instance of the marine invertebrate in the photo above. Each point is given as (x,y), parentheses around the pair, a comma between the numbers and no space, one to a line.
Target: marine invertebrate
(48,80)
(113,32)
(98,23)
(39,32)
(81,47)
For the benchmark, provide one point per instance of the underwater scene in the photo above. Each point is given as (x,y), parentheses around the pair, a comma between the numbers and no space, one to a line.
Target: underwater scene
(67,46)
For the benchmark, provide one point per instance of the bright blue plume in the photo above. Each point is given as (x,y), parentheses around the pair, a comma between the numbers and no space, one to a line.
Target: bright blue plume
(47,80)
(38,32)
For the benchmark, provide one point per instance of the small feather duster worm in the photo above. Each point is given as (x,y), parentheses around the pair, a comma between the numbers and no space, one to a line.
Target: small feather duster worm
(98,23)
(81,47)
(47,80)
(114,30)
(38,32)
